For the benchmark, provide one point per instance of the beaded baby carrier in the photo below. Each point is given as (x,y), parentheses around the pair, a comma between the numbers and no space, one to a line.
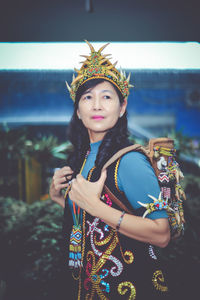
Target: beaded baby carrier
(161,154)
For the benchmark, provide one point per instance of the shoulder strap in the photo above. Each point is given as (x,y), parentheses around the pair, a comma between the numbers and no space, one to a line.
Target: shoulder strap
(116,200)
(112,160)
(122,152)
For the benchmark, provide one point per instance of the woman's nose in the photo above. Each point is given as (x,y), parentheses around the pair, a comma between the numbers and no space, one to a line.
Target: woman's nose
(97,103)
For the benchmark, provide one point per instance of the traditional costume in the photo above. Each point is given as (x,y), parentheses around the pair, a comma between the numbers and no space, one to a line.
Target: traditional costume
(105,264)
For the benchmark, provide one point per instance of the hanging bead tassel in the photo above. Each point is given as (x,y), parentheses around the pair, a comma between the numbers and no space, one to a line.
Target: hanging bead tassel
(75,247)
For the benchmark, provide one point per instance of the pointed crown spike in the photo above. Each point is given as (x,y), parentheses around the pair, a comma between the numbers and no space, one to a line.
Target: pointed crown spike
(85,56)
(128,78)
(103,47)
(115,63)
(91,47)
(68,87)
(106,55)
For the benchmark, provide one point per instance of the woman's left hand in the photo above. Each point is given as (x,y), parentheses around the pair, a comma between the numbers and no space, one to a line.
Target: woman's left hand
(87,194)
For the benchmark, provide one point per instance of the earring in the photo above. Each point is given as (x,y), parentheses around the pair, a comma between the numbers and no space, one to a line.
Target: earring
(79,117)
(121,115)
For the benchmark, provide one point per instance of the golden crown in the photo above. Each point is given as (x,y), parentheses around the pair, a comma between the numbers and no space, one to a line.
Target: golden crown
(95,66)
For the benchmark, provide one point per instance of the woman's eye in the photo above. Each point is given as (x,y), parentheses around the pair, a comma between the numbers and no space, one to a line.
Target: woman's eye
(87,97)
(106,97)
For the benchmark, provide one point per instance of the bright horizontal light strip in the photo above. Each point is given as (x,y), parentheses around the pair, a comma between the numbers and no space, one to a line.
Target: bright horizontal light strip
(63,56)
(42,119)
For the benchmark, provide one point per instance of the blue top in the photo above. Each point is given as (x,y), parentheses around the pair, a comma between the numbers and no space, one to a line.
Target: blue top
(136,178)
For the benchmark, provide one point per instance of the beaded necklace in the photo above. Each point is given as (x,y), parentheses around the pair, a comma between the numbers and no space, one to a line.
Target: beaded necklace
(76,233)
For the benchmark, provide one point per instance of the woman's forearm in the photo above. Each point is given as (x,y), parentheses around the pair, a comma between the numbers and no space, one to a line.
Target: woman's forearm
(155,232)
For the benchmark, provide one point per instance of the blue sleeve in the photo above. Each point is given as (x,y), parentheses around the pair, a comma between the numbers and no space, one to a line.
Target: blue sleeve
(136,178)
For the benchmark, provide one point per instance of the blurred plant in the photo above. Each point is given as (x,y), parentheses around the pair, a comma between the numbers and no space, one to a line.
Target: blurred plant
(16,144)
(12,142)
(31,258)
(185,144)
(45,149)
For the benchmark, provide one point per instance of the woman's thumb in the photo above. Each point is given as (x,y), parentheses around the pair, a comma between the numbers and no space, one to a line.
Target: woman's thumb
(103,177)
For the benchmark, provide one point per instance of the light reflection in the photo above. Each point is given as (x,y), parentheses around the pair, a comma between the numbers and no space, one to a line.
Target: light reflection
(65,56)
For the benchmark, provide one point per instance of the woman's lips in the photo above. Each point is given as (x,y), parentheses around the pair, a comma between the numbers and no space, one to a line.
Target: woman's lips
(97,117)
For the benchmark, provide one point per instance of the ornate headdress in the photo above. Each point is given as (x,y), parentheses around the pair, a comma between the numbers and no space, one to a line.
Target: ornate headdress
(95,66)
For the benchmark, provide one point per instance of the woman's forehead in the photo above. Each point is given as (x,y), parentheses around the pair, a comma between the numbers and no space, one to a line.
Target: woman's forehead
(104,86)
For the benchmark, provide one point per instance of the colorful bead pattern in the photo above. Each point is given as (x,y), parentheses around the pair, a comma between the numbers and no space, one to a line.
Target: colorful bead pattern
(152,253)
(125,287)
(157,204)
(96,259)
(102,266)
(75,247)
(166,192)
(128,256)
(98,66)
(100,261)
(169,180)
(115,175)
(158,150)
(76,233)
(158,281)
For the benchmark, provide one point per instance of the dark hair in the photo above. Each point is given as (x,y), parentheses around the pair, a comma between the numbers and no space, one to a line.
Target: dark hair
(113,141)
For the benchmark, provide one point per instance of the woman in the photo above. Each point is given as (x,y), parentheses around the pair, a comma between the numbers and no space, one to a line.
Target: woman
(111,252)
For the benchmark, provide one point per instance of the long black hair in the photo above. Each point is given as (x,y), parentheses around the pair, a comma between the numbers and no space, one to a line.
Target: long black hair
(114,139)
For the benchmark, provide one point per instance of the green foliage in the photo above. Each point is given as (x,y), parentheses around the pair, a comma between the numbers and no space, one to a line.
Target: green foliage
(13,142)
(30,253)
(16,144)
(185,144)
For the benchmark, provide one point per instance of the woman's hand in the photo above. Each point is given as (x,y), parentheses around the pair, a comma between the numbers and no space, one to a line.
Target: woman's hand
(87,194)
(59,182)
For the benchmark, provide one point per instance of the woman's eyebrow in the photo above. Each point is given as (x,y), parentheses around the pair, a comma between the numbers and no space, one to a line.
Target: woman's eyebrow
(105,91)
(86,92)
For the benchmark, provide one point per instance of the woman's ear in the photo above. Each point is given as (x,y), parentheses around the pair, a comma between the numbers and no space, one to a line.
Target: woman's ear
(78,114)
(123,108)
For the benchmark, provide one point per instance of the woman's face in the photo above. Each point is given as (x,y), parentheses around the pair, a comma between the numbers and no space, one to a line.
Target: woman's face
(99,109)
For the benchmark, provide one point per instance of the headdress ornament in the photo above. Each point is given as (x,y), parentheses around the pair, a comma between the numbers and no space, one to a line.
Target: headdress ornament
(95,66)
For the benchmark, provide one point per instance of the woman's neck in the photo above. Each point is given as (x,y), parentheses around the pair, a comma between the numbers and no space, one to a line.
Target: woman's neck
(96,136)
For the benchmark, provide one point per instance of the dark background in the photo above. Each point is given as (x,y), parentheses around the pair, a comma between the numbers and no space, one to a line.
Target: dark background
(113,20)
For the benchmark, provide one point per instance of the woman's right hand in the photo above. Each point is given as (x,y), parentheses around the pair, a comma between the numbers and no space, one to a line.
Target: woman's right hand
(60,181)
